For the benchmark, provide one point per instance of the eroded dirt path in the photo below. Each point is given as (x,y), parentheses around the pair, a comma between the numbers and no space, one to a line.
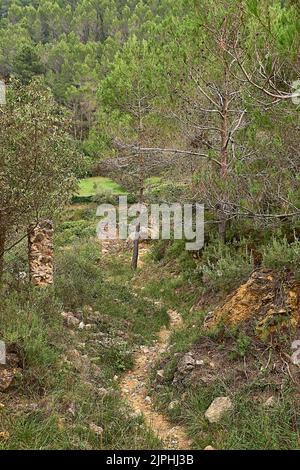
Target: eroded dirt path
(134,389)
(134,383)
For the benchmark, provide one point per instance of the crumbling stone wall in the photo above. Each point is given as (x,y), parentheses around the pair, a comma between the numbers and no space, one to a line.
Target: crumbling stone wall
(40,253)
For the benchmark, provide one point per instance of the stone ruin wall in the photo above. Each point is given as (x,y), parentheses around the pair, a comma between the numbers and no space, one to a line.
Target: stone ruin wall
(40,253)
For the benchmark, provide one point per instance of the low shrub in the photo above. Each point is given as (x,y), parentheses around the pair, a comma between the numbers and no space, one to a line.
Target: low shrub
(72,230)
(30,319)
(224,267)
(106,196)
(283,256)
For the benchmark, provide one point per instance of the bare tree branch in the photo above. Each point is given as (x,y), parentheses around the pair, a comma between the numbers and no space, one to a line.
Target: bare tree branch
(168,150)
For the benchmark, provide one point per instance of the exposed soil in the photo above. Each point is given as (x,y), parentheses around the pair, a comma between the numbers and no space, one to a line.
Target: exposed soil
(267,301)
(134,383)
(134,389)
(246,341)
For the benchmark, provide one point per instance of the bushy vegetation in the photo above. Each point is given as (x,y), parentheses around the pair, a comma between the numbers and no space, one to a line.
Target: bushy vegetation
(32,325)
(224,267)
(186,101)
(283,256)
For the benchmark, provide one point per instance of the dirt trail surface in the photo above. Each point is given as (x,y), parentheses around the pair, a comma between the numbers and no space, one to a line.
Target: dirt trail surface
(133,385)
(134,389)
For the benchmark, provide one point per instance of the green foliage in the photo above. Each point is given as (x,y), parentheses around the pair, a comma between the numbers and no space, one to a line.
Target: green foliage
(128,90)
(30,319)
(158,250)
(224,267)
(97,184)
(106,197)
(71,231)
(27,64)
(158,190)
(242,346)
(38,157)
(80,282)
(144,74)
(283,256)
(250,426)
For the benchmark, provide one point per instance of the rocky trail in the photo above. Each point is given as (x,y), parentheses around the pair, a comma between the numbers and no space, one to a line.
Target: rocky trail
(134,384)
(134,389)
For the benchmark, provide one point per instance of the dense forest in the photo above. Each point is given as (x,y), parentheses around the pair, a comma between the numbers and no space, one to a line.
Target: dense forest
(187,101)
(215,80)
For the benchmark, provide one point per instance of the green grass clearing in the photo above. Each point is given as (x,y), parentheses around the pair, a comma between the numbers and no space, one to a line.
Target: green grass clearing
(95,184)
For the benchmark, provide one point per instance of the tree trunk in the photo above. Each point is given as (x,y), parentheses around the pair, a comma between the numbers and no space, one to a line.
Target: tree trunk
(136,244)
(222,226)
(224,162)
(2,247)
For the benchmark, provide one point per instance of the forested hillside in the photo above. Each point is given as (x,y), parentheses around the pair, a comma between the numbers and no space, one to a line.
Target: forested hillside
(139,343)
(214,80)
(72,44)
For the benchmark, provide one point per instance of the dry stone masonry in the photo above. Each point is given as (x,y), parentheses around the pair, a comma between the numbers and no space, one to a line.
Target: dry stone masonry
(40,253)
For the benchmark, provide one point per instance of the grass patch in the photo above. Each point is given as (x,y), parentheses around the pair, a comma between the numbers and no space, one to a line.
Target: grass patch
(36,409)
(249,426)
(91,186)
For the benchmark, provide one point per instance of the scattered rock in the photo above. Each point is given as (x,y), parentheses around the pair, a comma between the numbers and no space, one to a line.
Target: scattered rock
(218,408)
(186,364)
(81,325)
(72,409)
(160,373)
(173,404)
(148,400)
(6,377)
(70,319)
(102,391)
(79,361)
(96,429)
(27,407)
(270,402)
(199,362)
(209,448)
(88,308)
(21,276)
(184,368)
(4,435)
